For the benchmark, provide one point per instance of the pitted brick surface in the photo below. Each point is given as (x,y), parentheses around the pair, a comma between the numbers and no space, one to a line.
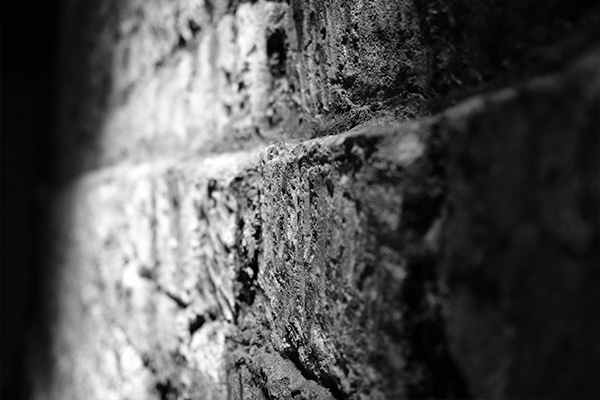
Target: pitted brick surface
(353,266)
(260,200)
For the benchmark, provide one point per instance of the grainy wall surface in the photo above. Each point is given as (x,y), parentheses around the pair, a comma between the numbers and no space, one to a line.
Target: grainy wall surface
(145,79)
(276,200)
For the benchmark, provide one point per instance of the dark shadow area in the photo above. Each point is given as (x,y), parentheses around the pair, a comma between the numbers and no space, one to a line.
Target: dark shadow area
(29,38)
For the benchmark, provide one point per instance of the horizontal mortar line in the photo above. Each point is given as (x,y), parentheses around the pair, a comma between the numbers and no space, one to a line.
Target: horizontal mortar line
(252,155)
(212,162)
(219,162)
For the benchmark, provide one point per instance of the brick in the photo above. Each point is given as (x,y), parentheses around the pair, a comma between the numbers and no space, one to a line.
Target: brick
(143,257)
(425,259)
(144,80)
(444,258)
(168,79)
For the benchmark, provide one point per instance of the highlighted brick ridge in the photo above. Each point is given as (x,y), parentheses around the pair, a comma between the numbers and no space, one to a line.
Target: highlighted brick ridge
(338,267)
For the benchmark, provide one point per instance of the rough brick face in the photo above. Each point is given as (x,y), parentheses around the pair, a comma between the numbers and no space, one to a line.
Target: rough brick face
(259,202)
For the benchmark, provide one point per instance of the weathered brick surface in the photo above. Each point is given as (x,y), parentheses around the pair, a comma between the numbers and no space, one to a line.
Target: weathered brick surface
(146,79)
(150,79)
(143,258)
(450,257)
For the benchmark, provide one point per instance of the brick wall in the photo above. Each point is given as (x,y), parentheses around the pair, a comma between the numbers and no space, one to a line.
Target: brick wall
(324,199)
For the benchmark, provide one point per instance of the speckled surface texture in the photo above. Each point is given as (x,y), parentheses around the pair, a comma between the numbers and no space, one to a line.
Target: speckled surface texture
(145,79)
(325,200)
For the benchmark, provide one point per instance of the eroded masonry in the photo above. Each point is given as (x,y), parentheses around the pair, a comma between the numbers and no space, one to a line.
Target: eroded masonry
(320,199)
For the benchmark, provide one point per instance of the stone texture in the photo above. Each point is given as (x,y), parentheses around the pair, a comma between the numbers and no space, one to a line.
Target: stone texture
(451,257)
(248,209)
(488,43)
(334,264)
(147,79)
(143,259)
(153,79)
